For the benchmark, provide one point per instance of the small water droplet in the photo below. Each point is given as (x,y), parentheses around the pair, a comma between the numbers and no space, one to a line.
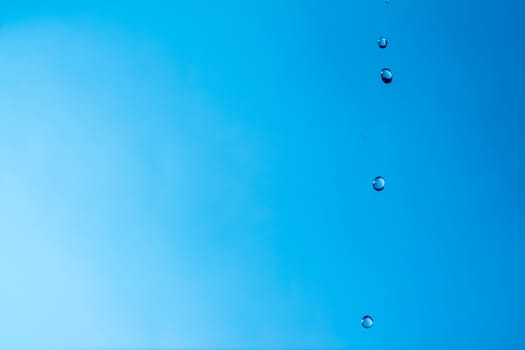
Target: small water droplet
(386,75)
(379,183)
(387,1)
(382,42)
(367,321)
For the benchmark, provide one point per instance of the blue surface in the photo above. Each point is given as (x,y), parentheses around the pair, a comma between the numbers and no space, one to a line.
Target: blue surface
(199,174)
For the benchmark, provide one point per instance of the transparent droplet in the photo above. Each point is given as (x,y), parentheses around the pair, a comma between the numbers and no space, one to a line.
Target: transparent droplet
(386,75)
(367,321)
(387,1)
(379,183)
(382,42)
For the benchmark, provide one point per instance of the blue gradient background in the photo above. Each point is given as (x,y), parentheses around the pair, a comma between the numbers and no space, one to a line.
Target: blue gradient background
(197,174)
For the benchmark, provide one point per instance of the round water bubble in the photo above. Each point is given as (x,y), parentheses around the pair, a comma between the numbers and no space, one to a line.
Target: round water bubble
(386,75)
(367,321)
(382,42)
(379,183)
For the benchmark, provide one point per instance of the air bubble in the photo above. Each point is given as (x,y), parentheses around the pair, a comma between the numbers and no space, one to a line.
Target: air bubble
(382,42)
(386,75)
(379,183)
(367,321)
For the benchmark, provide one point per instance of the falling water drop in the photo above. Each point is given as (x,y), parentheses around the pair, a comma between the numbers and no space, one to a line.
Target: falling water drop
(386,75)
(367,321)
(382,42)
(379,183)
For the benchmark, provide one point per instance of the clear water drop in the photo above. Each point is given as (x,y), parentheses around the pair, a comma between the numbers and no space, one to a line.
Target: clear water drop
(386,75)
(379,183)
(382,42)
(367,321)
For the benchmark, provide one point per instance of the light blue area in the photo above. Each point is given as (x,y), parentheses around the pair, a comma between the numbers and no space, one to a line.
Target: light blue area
(198,174)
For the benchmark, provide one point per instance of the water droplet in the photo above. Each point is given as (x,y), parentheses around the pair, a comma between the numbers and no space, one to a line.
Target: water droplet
(382,42)
(367,321)
(387,1)
(386,75)
(379,183)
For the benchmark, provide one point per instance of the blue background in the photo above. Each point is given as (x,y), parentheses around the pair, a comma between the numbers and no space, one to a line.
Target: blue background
(197,174)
